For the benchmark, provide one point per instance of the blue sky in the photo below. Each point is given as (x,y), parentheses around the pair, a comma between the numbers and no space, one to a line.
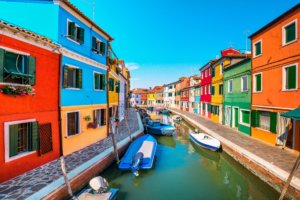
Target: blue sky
(162,40)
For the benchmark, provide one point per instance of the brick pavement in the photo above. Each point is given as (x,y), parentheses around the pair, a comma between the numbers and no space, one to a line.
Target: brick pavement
(27,184)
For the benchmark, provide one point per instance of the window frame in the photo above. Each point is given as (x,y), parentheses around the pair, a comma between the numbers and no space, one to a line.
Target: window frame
(79,125)
(99,109)
(254,82)
(99,73)
(259,127)
(98,51)
(284,89)
(6,139)
(242,84)
(73,88)
(283,30)
(254,48)
(241,117)
(68,36)
(228,86)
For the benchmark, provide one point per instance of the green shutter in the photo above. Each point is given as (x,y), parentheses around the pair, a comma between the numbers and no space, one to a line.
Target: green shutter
(94,43)
(258,48)
(78,78)
(32,70)
(102,79)
(102,48)
(255,118)
(2,53)
(97,81)
(80,35)
(291,77)
(258,82)
(111,84)
(213,72)
(273,122)
(213,90)
(290,33)
(245,117)
(34,136)
(66,69)
(71,30)
(13,140)
(118,87)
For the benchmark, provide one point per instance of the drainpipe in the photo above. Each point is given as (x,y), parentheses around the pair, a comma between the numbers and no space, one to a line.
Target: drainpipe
(59,102)
(107,94)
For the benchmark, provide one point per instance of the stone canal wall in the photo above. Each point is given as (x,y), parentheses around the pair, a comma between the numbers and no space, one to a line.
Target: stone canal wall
(269,163)
(47,182)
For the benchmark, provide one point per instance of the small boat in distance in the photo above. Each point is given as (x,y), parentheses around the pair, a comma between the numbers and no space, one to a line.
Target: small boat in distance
(139,155)
(158,128)
(98,190)
(206,141)
(176,118)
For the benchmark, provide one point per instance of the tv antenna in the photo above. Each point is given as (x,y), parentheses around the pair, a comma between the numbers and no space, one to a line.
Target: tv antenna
(92,3)
(246,32)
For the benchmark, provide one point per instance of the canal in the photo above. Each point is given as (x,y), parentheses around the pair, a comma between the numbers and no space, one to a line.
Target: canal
(183,170)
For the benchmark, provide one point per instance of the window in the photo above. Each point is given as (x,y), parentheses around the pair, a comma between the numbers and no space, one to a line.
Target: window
(100,117)
(213,90)
(264,122)
(75,32)
(72,77)
(289,33)
(23,137)
(17,68)
(257,48)
(258,82)
(213,71)
(72,123)
(290,77)
(221,68)
(98,46)
(209,92)
(99,81)
(244,83)
(170,94)
(244,117)
(111,83)
(230,86)
(118,87)
(221,89)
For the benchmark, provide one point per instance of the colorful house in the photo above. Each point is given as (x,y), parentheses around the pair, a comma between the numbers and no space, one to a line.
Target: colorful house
(122,90)
(205,82)
(193,104)
(185,94)
(276,85)
(229,57)
(151,98)
(84,44)
(237,95)
(178,93)
(159,95)
(138,97)
(170,94)
(29,115)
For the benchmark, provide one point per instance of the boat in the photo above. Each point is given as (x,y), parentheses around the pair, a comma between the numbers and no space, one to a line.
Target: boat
(158,128)
(176,118)
(164,112)
(206,141)
(139,155)
(98,190)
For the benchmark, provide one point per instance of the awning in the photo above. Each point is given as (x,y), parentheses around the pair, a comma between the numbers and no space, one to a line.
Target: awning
(294,114)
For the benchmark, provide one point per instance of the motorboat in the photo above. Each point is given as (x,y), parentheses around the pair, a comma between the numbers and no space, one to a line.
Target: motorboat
(158,128)
(206,141)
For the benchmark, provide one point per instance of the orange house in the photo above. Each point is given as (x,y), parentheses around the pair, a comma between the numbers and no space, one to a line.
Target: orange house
(276,84)
(29,117)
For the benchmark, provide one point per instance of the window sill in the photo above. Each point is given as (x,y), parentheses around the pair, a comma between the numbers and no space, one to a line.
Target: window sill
(95,52)
(15,84)
(20,156)
(263,129)
(290,90)
(244,124)
(99,90)
(256,56)
(70,88)
(291,42)
(70,136)
(257,91)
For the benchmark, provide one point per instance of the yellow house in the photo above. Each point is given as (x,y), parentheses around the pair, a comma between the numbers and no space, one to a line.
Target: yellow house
(151,98)
(229,56)
(113,88)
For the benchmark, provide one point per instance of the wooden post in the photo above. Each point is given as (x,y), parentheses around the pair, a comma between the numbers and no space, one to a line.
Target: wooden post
(288,181)
(64,171)
(127,126)
(114,130)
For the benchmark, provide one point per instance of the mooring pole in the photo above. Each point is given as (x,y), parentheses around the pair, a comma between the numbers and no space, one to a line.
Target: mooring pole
(114,129)
(64,171)
(127,126)
(288,181)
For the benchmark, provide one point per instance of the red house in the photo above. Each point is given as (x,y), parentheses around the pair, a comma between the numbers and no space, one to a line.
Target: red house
(29,82)
(205,93)
(184,94)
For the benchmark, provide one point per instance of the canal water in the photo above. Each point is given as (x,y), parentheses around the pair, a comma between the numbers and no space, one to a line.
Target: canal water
(185,171)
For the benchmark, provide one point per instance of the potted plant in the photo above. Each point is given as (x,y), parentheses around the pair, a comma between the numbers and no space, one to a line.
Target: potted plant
(116,121)
(87,118)
(92,125)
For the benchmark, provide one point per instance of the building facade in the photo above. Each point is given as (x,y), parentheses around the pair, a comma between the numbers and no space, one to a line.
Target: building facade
(237,96)
(185,94)
(29,115)
(275,68)
(170,95)
(205,82)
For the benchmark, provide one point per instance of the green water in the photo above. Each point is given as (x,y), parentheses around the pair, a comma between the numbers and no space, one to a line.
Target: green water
(185,171)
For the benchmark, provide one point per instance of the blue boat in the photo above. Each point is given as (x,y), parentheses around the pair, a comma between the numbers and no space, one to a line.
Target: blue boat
(158,128)
(139,155)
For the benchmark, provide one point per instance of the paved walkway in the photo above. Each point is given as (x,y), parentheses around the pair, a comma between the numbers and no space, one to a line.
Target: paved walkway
(33,181)
(274,159)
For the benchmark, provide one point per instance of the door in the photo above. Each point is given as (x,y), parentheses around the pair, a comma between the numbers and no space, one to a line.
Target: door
(206,110)
(220,114)
(227,115)
(235,117)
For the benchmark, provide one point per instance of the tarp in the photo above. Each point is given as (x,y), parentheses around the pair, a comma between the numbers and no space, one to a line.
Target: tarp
(294,114)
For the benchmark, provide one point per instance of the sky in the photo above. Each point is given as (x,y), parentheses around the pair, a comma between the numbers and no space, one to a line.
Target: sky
(162,40)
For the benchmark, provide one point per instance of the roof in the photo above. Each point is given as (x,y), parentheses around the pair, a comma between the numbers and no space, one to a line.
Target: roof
(297,6)
(231,56)
(72,6)
(158,89)
(172,83)
(235,64)
(139,91)
(26,32)
(207,65)
(294,114)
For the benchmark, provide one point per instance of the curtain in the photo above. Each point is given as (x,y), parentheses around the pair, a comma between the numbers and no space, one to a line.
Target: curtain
(282,130)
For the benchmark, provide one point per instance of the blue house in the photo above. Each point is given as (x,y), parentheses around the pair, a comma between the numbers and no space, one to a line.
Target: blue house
(83,65)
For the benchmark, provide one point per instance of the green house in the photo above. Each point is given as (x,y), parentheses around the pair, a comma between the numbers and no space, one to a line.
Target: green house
(237,96)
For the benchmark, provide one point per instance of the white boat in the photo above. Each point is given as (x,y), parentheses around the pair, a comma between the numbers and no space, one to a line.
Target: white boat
(206,141)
